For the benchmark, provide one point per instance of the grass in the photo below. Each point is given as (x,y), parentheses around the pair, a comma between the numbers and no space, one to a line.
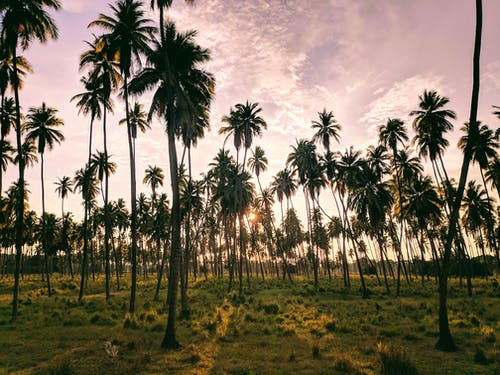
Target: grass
(278,328)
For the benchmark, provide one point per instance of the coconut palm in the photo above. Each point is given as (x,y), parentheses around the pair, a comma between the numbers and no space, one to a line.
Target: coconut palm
(64,187)
(153,177)
(21,22)
(6,152)
(431,122)
(128,36)
(477,212)
(41,127)
(243,123)
(183,91)
(445,341)
(326,129)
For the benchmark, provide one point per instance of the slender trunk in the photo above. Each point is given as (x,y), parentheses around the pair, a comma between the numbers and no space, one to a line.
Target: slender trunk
(20,200)
(44,234)
(107,224)
(445,341)
(169,340)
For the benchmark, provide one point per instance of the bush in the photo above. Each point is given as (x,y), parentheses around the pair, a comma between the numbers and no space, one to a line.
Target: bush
(60,367)
(394,361)
(271,308)
(480,357)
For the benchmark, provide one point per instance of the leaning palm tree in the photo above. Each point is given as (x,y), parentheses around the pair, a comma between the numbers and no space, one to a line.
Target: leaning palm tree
(22,22)
(41,127)
(326,129)
(64,187)
(445,341)
(183,94)
(128,36)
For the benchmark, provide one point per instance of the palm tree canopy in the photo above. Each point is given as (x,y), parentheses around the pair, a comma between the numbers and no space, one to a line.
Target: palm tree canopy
(326,128)
(129,32)
(244,123)
(392,133)
(174,71)
(6,152)
(476,206)
(101,164)
(41,126)
(258,161)
(484,144)
(153,176)
(29,154)
(138,120)
(64,186)
(25,20)
(430,123)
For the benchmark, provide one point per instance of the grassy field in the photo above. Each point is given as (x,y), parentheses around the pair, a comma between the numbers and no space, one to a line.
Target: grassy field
(279,328)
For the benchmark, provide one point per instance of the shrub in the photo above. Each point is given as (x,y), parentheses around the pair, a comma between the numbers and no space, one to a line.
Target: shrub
(130,321)
(488,334)
(480,357)
(271,308)
(60,367)
(394,361)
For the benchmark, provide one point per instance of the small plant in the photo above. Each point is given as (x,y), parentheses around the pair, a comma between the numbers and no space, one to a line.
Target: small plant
(271,308)
(330,326)
(480,357)
(130,321)
(111,349)
(61,367)
(345,366)
(394,361)
(315,352)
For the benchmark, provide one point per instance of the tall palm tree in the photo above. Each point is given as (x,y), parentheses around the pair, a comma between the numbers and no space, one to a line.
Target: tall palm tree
(7,122)
(41,127)
(390,135)
(6,152)
(128,36)
(103,167)
(23,21)
(445,341)
(183,92)
(326,128)
(64,187)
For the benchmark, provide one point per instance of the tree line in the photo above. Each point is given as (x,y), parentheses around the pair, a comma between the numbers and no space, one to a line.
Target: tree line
(391,219)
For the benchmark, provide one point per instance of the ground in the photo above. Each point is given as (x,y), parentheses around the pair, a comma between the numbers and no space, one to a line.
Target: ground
(277,328)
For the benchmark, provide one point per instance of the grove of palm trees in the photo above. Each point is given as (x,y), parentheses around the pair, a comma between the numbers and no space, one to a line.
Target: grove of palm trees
(337,257)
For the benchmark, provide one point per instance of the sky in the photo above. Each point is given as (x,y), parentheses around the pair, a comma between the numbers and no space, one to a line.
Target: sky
(365,60)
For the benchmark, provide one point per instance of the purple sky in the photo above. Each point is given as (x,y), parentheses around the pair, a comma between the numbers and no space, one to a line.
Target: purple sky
(364,60)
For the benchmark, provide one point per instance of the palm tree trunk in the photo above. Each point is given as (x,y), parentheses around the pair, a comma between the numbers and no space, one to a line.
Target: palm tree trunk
(20,201)
(169,340)
(44,239)
(107,224)
(445,341)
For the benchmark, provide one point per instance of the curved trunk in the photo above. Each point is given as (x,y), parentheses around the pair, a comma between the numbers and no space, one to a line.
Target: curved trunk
(44,235)
(445,341)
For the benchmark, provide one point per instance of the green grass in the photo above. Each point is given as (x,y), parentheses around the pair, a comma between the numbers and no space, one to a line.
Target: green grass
(278,328)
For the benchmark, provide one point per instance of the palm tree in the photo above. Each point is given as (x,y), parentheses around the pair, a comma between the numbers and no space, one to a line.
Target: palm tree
(103,167)
(22,21)
(6,151)
(7,122)
(327,128)
(128,36)
(390,135)
(445,341)
(183,92)
(244,123)
(431,122)
(484,148)
(64,187)
(477,212)
(41,127)
(153,177)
